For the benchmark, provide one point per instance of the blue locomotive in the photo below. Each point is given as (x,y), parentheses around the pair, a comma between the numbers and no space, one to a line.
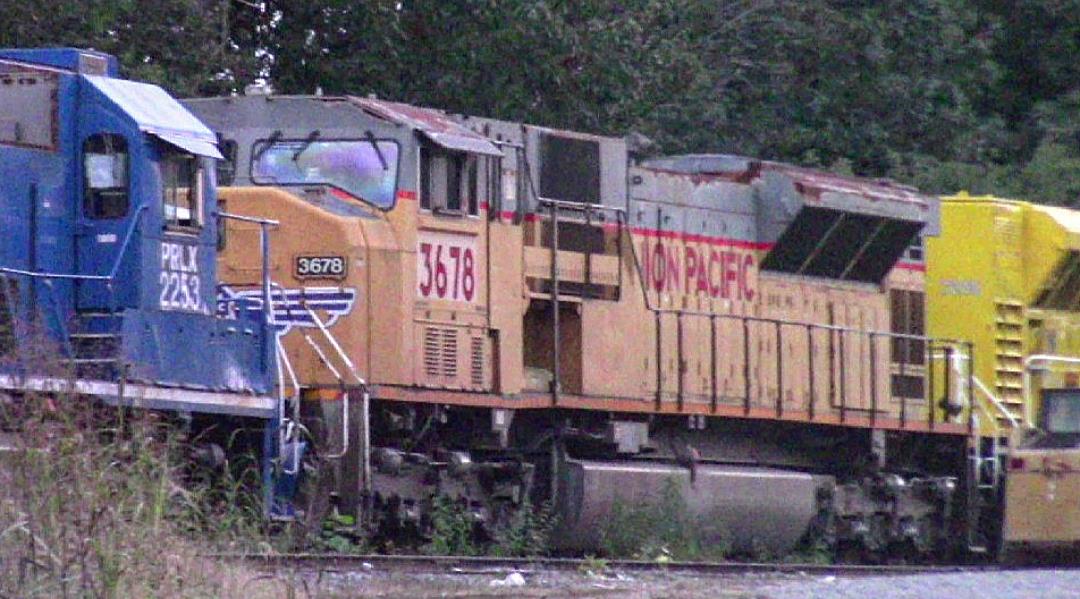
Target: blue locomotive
(108,257)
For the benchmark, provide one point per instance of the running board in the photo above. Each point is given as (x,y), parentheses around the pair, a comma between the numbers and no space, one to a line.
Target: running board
(137,395)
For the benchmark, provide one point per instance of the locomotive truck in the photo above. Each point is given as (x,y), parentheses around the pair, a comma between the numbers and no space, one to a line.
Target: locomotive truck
(534,313)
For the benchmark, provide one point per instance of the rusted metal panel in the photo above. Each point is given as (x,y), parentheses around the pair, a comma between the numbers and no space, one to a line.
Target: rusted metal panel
(432,124)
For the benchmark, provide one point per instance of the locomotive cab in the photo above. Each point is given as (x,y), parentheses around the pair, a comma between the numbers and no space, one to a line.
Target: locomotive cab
(108,196)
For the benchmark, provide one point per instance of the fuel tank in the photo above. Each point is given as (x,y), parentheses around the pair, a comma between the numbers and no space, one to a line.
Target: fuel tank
(747,508)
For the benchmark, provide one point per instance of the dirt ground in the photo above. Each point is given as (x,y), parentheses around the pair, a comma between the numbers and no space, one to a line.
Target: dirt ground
(638,585)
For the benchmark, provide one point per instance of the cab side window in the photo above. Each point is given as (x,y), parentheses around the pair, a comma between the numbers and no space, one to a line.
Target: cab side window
(181,186)
(448,181)
(105,176)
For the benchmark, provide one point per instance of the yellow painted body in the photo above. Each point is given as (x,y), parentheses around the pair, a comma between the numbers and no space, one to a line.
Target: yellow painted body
(991,280)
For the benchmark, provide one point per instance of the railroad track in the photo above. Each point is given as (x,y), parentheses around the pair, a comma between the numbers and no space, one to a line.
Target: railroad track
(494,565)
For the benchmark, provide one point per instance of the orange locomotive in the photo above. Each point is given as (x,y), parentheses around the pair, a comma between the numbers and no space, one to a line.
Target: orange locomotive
(532,314)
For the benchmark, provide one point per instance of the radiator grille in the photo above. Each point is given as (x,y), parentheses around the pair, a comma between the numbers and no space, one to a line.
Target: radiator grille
(477,362)
(440,352)
(449,353)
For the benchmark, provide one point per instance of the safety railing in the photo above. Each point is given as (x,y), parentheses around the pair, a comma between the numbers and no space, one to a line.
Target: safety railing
(837,339)
(841,364)
(365,406)
(989,411)
(1030,363)
(290,428)
(265,225)
(555,206)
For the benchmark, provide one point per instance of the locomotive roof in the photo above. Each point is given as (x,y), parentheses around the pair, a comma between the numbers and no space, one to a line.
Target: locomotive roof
(430,123)
(433,124)
(810,181)
(797,186)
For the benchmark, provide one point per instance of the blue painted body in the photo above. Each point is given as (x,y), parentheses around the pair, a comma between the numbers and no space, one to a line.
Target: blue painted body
(161,299)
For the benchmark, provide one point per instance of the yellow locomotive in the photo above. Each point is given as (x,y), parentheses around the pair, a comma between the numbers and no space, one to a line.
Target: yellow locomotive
(1005,274)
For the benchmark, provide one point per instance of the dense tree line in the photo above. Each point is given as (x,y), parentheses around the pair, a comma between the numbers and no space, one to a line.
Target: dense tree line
(945,94)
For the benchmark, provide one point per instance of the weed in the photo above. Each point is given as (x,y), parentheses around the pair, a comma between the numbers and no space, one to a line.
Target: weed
(527,533)
(593,566)
(452,529)
(92,505)
(814,552)
(662,530)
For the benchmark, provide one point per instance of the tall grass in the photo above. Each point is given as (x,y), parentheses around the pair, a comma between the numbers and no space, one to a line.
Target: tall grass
(92,505)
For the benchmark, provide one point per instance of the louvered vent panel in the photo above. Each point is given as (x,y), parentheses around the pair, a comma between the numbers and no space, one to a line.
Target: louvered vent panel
(432,350)
(1009,351)
(476,362)
(449,356)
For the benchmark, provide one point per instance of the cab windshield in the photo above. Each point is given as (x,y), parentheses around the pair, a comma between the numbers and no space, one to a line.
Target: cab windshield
(364,169)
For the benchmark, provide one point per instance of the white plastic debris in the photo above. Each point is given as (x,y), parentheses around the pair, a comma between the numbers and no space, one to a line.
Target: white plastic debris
(514,579)
(367,566)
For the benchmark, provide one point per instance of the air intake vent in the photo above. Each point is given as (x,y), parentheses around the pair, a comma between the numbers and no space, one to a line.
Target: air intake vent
(849,246)
(476,362)
(449,353)
(440,352)
(1009,352)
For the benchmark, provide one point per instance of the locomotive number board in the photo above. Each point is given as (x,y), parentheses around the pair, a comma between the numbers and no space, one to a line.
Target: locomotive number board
(447,267)
(321,267)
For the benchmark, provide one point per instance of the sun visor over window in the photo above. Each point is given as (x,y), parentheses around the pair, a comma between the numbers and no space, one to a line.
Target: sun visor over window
(157,113)
(188,144)
(432,124)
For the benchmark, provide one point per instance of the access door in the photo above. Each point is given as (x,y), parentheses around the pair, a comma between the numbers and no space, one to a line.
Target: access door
(104,217)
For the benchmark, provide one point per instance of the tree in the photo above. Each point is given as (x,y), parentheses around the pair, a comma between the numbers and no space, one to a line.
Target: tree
(184,45)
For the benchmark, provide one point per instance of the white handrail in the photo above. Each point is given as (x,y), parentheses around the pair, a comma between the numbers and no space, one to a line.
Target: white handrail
(365,398)
(284,364)
(982,388)
(1028,363)
(337,347)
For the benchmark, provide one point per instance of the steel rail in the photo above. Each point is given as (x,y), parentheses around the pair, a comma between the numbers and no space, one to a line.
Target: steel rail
(487,565)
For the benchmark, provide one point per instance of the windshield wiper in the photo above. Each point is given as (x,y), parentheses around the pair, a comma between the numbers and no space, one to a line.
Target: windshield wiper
(307,143)
(375,144)
(276,135)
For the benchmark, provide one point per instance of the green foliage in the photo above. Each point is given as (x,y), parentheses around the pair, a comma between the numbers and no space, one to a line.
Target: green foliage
(338,535)
(190,47)
(816,552)
(945,94)
(527,533)
(452,529)
(94,506)
(593,566)
(660,530)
